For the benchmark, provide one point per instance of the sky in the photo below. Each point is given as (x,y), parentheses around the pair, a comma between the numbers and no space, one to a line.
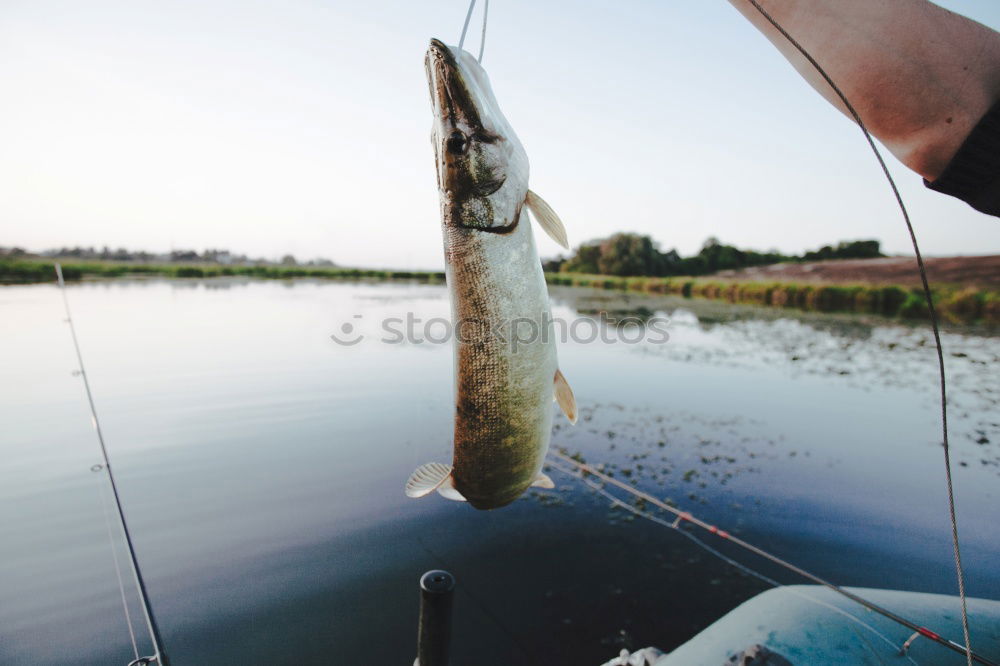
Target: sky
(302,127)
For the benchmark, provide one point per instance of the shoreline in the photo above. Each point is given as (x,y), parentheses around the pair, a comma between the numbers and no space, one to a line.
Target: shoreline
(36,270)
(956,303)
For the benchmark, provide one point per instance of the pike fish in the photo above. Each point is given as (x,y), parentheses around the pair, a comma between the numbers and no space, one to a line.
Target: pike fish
(504,383)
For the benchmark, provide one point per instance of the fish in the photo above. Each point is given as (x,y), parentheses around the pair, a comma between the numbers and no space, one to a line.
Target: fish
(506,371)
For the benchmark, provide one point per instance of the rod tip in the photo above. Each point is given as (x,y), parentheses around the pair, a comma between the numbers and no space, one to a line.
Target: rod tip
(437,581)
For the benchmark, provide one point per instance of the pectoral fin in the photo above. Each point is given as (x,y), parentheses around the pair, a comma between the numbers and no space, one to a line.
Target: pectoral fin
(427,478)
(430,477)
(564,396)
(547,218)
(543,481)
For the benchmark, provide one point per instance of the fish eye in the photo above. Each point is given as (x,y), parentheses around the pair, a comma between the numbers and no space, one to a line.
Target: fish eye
(456,143)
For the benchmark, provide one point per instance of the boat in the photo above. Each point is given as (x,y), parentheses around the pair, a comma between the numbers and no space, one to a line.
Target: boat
(811,625)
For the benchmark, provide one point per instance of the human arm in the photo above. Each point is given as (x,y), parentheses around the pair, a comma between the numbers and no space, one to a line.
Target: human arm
(919,76)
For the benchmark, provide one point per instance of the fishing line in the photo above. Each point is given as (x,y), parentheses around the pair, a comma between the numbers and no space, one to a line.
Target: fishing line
(114,558)
(725,558)
(713,529)
(930,307)
(159,656)
(465,27)
(656,519)
(482,40)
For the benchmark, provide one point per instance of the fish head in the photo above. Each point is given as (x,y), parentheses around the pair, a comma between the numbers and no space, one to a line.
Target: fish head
(482,169)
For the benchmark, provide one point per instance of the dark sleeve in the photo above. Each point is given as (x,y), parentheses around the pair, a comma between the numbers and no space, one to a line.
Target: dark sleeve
(973,175)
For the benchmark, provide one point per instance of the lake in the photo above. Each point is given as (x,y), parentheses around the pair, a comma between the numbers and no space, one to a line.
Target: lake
(262,464)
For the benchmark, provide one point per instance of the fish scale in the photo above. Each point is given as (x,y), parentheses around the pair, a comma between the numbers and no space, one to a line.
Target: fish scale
(503,394)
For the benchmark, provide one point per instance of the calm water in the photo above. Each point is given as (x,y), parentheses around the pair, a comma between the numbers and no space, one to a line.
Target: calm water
(262,467)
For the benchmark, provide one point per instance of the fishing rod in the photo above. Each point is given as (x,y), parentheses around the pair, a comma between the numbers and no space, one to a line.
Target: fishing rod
(159,654)
(928,295)
(620,503)
(682,516)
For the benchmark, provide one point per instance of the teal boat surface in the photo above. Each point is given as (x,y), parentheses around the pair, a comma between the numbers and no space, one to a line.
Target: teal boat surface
(810,625)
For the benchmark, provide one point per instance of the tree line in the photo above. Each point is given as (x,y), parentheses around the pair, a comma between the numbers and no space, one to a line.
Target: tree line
(635,255)
(209,256)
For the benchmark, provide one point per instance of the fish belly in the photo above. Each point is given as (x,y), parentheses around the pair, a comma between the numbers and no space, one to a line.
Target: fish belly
(505,361)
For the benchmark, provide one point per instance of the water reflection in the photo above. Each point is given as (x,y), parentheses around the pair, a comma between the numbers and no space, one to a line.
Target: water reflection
(262,468)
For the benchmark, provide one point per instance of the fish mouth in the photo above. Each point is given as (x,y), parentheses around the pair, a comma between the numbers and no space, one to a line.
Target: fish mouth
(441,49)
(453,100)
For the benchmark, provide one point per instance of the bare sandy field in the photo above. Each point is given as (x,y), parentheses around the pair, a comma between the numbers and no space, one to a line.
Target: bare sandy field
(981,271)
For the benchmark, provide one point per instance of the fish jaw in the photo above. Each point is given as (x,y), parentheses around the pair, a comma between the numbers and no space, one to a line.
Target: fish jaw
(481,166)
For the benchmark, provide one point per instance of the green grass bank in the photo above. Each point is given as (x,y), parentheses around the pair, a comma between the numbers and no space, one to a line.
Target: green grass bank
(955,304)
(21,271)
